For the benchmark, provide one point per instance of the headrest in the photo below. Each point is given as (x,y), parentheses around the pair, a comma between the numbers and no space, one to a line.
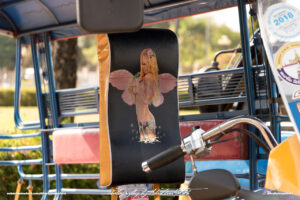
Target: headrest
(138,105)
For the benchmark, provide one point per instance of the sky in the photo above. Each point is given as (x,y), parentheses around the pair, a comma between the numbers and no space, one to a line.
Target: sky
(227,16)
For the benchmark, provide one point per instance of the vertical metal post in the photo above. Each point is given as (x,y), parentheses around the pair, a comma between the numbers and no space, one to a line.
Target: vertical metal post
(191,90)
(17,82)
(272,93)
(17,118)
(53,107)
(248,72)
(41,108)
(51,82)
(275,120)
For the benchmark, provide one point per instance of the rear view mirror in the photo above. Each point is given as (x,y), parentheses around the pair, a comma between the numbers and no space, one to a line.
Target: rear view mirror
(110,16)
(213,184)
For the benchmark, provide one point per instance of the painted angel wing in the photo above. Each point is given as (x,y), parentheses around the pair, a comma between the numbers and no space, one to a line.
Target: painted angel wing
(167,82)
(127,98)
(120,79)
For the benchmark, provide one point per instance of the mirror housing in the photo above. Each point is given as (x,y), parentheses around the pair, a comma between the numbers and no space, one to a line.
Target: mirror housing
(110,16)
(213,184)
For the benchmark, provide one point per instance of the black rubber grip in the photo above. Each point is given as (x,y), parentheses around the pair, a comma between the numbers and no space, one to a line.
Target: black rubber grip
(165,157)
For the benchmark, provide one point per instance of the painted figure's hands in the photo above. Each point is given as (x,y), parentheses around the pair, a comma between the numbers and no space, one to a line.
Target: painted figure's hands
(132,87)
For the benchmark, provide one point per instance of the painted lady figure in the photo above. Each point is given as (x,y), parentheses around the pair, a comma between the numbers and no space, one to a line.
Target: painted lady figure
(144,89)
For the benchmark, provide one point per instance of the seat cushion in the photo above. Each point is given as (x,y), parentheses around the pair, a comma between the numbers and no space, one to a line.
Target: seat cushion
(76,146)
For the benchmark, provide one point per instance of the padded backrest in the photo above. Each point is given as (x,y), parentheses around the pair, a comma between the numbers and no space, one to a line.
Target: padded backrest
(138,105)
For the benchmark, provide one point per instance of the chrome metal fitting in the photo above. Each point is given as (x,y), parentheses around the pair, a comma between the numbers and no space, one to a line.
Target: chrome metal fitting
(145,167)
(194,142)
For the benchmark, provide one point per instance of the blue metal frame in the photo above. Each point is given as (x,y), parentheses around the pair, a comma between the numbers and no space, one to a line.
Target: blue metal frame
(53,176)
(18,120)
(276,118)
(247,62)
(21,148)
(53,107)
(20,136)
(42,116)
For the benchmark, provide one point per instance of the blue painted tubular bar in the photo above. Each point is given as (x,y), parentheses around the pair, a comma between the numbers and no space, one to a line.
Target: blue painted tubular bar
(21,162)
(18,120)
(63,176)
(19,136)
(82,191)
(215,101)
(22,148)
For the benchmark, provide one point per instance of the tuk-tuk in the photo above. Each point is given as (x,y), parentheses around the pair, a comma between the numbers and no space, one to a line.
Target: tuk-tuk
(139,138)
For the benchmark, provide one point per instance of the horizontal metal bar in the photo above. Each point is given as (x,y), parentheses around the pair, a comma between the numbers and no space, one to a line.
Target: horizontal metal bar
(18,136)
(82,191)
(78,94)
(282,118)
(22,148)
(209,116)
(222,72)
(53,176)
(77,98)
(230,94)
(63,176)
(79,104)
(234,94)
(70,92)
(79,125)
(242,176)
(77,90)
(21,162)
(214,101)
(70,114)
(79,109)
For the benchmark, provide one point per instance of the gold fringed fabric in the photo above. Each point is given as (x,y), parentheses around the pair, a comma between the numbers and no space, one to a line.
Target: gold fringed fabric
(103,51)
(156,189)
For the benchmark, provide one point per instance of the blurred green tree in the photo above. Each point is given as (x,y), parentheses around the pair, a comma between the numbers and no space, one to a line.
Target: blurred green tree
(8,51)
(198,40)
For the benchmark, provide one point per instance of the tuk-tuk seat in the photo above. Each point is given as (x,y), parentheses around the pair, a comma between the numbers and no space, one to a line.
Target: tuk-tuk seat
(138,106)
(76,146)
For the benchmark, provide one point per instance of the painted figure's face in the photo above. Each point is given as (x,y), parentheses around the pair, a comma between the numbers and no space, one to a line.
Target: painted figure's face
(145,64)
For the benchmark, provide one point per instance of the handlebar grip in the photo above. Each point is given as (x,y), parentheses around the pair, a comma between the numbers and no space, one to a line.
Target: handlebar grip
(163,158)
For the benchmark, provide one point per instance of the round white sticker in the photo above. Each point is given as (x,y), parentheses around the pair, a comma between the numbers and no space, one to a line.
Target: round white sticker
(283,20)
(287,62)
